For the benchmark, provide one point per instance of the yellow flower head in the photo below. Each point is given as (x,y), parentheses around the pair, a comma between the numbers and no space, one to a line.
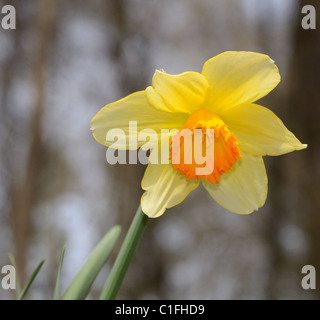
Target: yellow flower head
(219,99)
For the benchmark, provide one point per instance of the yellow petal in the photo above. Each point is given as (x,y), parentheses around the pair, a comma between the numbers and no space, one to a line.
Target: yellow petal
(134,107)
(259,131)
(183,92)
(165,188)
(239,77)
(243,188)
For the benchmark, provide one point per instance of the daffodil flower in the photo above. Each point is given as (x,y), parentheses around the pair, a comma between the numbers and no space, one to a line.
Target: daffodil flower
(221,98)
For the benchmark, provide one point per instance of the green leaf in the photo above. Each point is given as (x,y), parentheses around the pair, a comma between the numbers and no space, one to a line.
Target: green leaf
(33,276)
(125,255)
(58,281)
(81,284)
(18,282)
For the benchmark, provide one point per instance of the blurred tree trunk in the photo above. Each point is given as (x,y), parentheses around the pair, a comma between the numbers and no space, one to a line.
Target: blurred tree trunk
(296,175)
(294,183)
(7,124)
(304,103)
(24,195)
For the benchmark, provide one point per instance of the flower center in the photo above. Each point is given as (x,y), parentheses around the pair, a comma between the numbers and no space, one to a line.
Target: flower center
(204,131)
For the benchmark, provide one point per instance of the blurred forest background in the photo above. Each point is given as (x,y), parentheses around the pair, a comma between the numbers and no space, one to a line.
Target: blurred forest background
(66,60)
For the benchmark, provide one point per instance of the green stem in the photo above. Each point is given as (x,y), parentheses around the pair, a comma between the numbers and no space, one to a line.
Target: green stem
(124,257)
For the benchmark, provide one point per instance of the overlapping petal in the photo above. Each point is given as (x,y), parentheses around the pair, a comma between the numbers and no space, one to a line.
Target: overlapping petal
(183,92)
(165,188)
(134,107)
(259,131)
(237,77)
(243,188)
